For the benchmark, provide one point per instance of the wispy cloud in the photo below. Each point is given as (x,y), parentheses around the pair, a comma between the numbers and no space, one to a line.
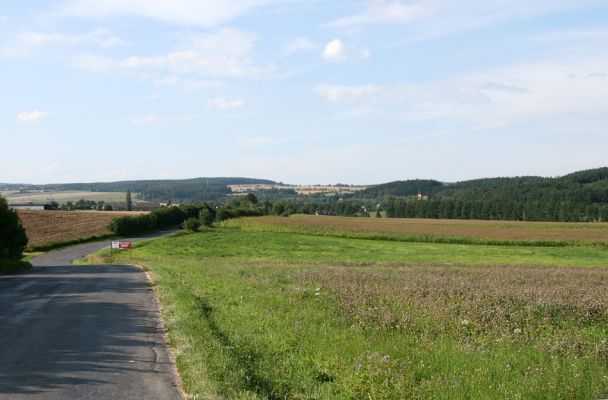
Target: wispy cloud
(227,52)
(258,141)
(33,116)
(576,88)
(205,13)
(100,37)
(425,19)
(224,104)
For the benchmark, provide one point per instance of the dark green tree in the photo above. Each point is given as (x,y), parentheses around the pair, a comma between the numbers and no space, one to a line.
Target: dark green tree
(12,235)
(129,201)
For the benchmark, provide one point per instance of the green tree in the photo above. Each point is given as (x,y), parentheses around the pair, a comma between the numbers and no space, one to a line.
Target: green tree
(129,201)
(12,235)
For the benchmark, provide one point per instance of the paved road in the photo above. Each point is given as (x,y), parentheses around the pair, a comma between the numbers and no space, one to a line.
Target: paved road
(81,332)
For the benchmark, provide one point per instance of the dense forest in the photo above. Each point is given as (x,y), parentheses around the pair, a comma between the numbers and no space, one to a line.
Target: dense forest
(580,196)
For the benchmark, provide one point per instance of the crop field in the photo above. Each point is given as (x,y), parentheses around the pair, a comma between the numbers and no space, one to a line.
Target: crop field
(40,197)
(45,227)
(253,312)
(465,231)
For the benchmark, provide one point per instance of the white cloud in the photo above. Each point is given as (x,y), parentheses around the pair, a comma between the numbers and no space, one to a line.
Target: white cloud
(3,19)
(381,12)
(343,93)
(100,37)
(32,116)
(299,44)
(425,19)
(92,62)
(550,90)
(224,104)
(146,120)
(228,52)
(576,34)
(205,13)
(258,141)
(336,50)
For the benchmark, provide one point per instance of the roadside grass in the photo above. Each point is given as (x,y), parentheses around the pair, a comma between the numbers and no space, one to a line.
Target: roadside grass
(266,315)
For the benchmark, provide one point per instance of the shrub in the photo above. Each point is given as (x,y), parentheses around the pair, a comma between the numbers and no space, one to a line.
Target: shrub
(12,235)
(207,216)
(192,224)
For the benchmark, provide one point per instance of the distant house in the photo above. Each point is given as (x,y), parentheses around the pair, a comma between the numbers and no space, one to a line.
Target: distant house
(28,207)
(421,197)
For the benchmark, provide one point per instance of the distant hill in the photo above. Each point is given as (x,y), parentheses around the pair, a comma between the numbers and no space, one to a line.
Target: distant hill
(589,186)
(578,196)
(177,190)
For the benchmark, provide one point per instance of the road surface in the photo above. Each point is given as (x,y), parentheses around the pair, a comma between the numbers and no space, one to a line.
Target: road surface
(81,332)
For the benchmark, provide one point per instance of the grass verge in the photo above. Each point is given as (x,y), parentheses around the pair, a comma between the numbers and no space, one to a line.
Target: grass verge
(265,315)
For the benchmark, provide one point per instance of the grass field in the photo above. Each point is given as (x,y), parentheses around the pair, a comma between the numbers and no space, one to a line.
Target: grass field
(64,196)
(253,313)
(47,227)
(434,230)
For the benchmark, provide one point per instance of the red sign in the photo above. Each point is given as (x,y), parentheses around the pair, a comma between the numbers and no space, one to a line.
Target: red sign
(124,245)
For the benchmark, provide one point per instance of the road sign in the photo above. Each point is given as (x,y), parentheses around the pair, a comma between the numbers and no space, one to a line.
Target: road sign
(122,246)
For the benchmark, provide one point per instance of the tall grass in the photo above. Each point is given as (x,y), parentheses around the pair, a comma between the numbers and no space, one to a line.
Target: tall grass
(265,315)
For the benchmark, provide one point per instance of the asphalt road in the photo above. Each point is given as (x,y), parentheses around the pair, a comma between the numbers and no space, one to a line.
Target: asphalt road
(81,332)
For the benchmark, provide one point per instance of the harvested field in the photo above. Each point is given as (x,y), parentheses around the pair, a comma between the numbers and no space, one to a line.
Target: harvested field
(64,196)
(471,229)
(43,227)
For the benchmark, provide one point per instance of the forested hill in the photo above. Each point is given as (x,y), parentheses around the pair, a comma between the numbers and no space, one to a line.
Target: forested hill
(181,190)
(578,196)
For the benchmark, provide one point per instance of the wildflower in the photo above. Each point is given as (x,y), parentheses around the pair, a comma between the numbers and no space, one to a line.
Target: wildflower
(517,330)
(386,358)
(464,322)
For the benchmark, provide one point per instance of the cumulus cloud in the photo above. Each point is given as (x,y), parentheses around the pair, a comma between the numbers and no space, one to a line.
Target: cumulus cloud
(101,37)
(224,104)
(336,50)
(32,116)
(205,13)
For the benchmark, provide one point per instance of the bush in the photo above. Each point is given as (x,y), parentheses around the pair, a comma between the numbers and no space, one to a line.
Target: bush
(192,224)
(207,215)
(12,235)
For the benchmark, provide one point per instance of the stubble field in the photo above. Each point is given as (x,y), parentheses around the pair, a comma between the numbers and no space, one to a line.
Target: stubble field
(436,230)
(256,312)
(46,227)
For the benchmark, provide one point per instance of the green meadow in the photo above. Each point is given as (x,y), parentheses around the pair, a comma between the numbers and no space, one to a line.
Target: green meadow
(255,314)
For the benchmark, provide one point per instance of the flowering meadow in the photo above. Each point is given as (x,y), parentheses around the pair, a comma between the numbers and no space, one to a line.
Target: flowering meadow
(260,314)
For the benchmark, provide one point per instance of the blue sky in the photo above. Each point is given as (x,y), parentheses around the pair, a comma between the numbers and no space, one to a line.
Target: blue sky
(301,91)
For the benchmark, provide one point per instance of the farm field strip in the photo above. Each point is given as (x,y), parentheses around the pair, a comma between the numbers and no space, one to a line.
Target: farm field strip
(43,227)
(63,196)
(564,233)
(259,315)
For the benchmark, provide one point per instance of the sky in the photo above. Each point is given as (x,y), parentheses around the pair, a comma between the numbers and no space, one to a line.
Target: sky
(301,91)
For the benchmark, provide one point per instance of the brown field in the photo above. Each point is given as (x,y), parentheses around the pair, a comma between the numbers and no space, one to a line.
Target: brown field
(44,227)
(484,230)
(40,197)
